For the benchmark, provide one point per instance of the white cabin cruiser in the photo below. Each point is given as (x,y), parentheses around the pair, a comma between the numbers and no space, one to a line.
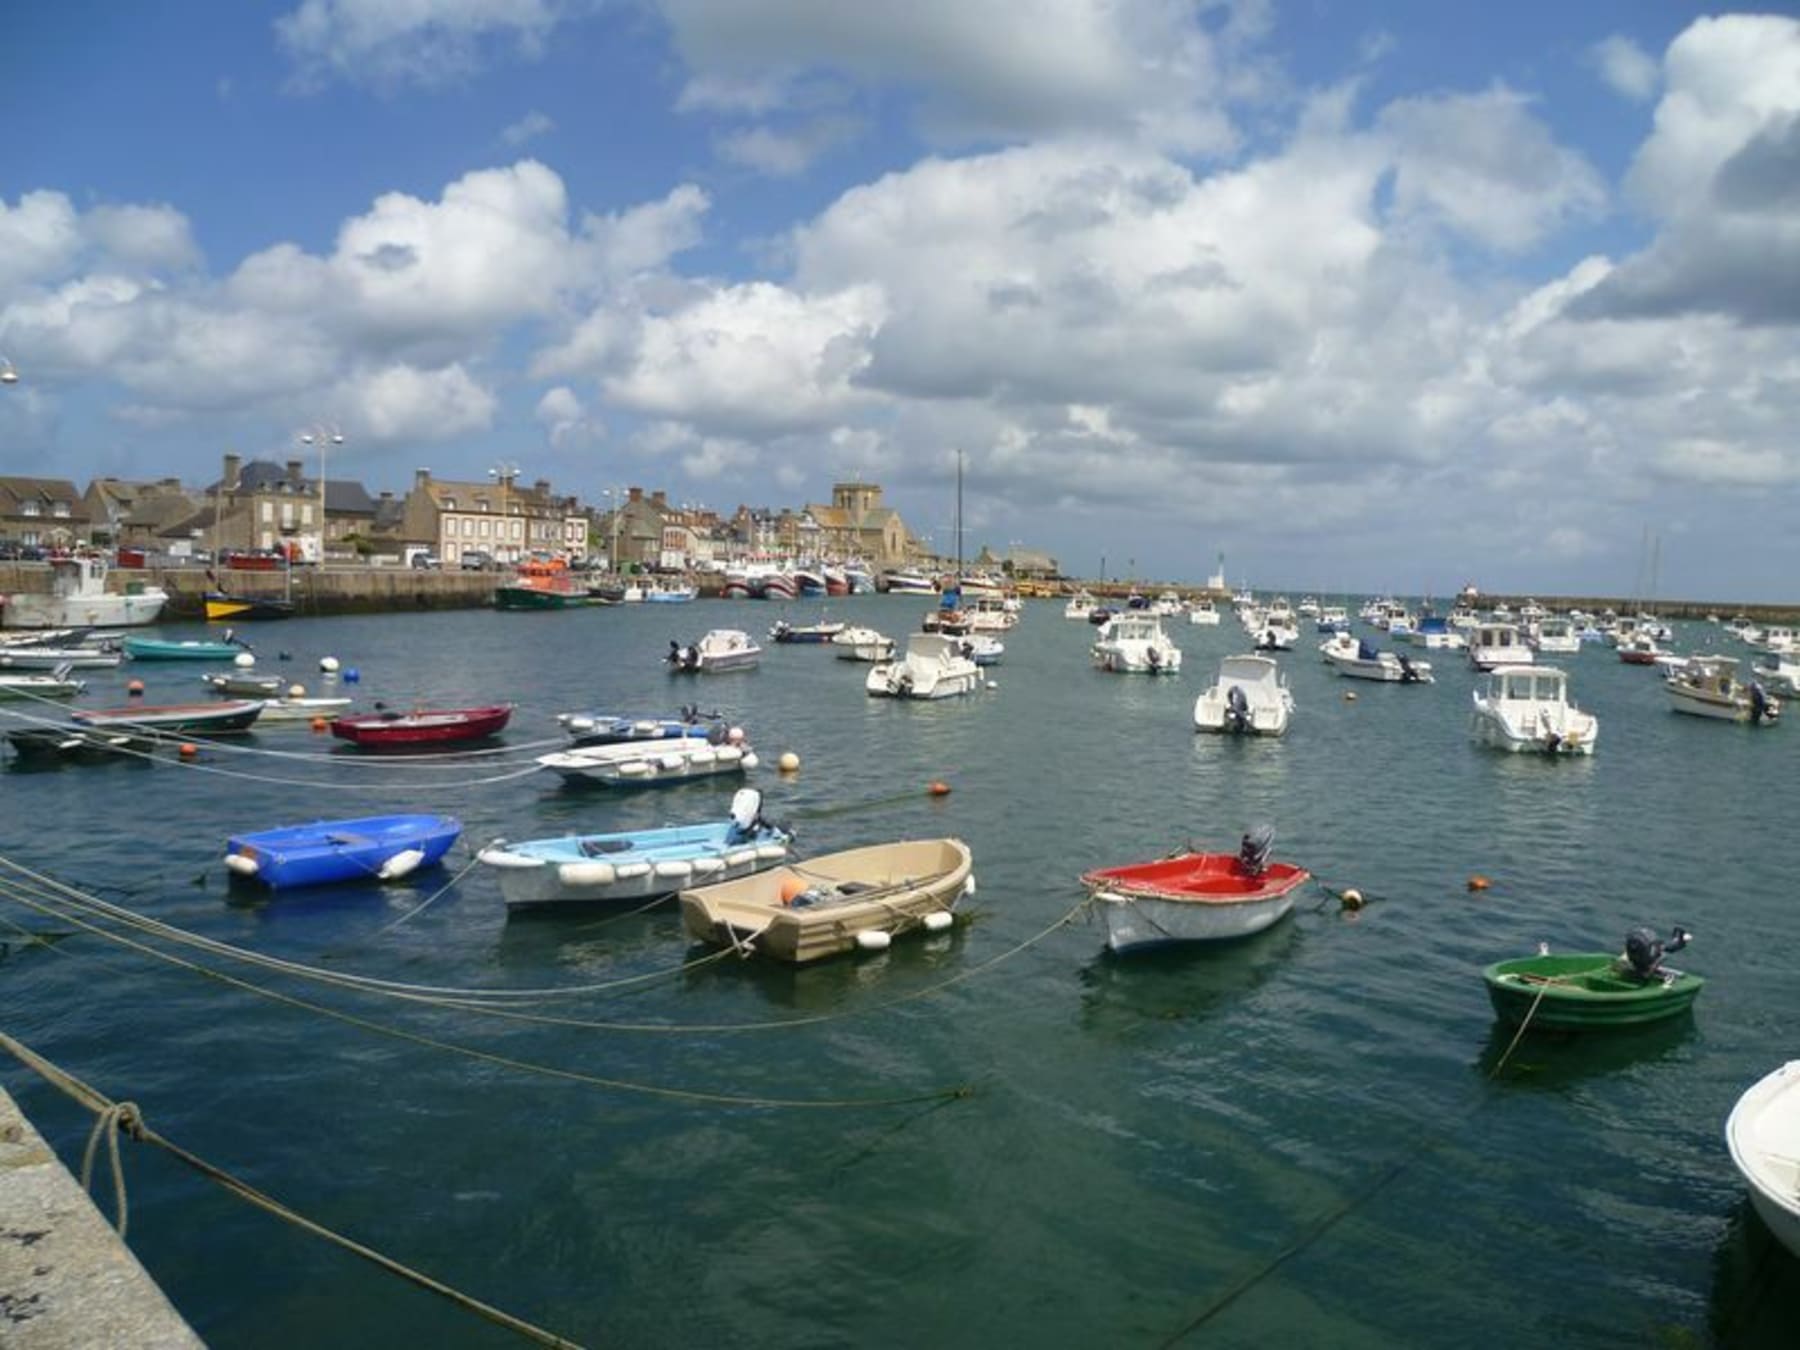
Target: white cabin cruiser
(1081,604)
(1204,612)
(1554,635)
(1365,663)
(1526,709)
(863,644)
(1492,645)
(1709,686)
(933,667)
(78,598)
(720,650)
(1250,698)
(1134,644)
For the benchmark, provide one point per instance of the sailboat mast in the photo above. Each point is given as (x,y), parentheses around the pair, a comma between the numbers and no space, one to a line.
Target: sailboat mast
(959,541)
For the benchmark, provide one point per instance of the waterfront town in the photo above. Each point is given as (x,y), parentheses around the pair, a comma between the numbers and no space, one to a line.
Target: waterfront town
(272,509)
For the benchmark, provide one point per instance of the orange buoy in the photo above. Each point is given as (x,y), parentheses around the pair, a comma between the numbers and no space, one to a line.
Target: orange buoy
(1478,882)
(135,688)
(791,887)
(938,788)
(319,724)
(188,750)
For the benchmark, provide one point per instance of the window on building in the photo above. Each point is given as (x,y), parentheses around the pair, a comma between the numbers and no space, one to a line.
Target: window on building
(306,514)
(30,509)
(484,529)
(60,510)
(514,532)
(449,503)
(268,512)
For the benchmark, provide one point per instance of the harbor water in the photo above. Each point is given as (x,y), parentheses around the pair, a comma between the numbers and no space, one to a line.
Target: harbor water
(1297,1140)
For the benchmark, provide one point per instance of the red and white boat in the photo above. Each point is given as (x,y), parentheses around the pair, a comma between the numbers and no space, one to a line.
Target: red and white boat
(1195,897)
(423,728)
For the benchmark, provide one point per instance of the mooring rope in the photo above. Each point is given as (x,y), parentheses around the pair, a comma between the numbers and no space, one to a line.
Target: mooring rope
(116,1118)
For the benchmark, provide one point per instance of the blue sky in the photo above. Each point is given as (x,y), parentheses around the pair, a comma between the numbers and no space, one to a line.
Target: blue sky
(1383,295)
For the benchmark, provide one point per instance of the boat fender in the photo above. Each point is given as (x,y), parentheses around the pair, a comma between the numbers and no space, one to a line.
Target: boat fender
(700,756)
(749,760)
(728,754)
(406,860)
(631,871)
(969,885)
(938,920)
(674,868)
(242,864)
(579,724)
(586,874)
(634,769)
(873,940)
(742,857)
(706,867)
(671,761)
(771,852)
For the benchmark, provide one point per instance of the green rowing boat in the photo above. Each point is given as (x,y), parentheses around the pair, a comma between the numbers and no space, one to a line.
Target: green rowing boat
(1584,991)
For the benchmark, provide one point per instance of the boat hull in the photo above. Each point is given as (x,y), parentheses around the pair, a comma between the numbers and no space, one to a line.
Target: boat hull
(425,730)
(1583,991)
(330,851)
(653,765)
(1763,1134)
(156,649)
(181,719)
(1191,897)
(536,598)
(628,870)
(83,611)
(246,608)
(49,658)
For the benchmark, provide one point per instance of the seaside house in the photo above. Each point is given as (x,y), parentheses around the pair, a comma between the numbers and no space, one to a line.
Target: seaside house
(43,512)
(499,518)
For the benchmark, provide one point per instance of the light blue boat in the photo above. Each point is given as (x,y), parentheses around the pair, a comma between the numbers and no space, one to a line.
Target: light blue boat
(600,728)
(641,866)
(379,847)
(163,649)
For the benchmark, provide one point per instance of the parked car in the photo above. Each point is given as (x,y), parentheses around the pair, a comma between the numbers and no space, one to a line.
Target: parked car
(9,551)
(426,562)
(477,560)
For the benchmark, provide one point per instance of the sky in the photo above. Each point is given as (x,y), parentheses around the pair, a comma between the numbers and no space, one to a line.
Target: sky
(1364,295)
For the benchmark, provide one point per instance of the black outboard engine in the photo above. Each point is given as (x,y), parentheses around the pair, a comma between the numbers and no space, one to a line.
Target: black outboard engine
(1759,702)
(1644,951)
(1253,852)
(1237,709)
(674,656)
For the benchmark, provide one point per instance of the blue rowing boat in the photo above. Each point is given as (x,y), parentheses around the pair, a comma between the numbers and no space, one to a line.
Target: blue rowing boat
(641,866)
(162,649)
(327,851)
(599,728)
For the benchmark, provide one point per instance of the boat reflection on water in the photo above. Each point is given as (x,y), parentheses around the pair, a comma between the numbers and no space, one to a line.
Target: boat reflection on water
(840,984)
(1754,1303)
(1554,1060)
(1180,981)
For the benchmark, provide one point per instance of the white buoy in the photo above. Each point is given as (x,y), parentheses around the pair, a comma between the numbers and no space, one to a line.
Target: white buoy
(401,863)
(993,684)
(938,920)
(328,664)
(969,885)
(789,761)
(873,940)
(243,660)
(241,864)
(296,691)
(735,736)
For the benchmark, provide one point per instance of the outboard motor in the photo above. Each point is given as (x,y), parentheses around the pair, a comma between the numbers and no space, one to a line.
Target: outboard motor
(674,656)
(1407,674)
(1253,852)
(1759,702)
(746,814)
(1237,709)
(1644,951)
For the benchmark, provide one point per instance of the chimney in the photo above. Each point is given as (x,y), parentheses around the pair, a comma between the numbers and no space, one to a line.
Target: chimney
(541,487)
(635,494)
(295,473)
(232,470)
(659,498)
(387,494)
(421,478)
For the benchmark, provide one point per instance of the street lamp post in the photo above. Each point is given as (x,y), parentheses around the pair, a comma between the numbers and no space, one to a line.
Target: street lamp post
(322,437)
(503,473)
(617,497)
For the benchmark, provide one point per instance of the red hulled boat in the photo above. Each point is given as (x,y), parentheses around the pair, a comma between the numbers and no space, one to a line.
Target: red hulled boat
(423,728)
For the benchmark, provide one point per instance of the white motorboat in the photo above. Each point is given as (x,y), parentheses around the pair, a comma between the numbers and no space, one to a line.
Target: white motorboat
(1781,673)
(1339,646)
(640,866)
(1763,1134)
(1276,634)
(1526,709)
(55,684)
(1080,606)
(53,658)
(1365,663)
(78,598)
(1554,635)
(863,644)
(906,581)
(1195,897)
(1434,633)
(991,614)
(1309,607)
(1250,698)
(984,649)
(1497,644)
(720,650)
(298,708)
(1203,612)
(630,764)
(1167,605)
(933,667)
(1134,643)
(1709,686)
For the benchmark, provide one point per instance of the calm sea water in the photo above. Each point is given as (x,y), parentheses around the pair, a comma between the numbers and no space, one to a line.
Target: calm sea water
(1305,1120)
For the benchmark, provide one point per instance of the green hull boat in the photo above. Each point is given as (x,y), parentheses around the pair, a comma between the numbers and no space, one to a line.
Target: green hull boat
(535,597)
(1584,991)
(159,649)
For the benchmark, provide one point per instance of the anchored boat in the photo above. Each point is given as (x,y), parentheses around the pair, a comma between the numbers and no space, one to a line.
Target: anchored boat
(1585,991)
(189,649)
(424,729)
(174,719)
(1195,897)
(627,764)
(1763,1134)
(327,851)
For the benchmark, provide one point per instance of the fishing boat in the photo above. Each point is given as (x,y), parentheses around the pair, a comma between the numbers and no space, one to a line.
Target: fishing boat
(1710,686)
(670,595)
(174,719)
(242,684)
(1554,635)
(1134,644)
(1763,1134)
(907,581)
(637,866)
(78,598)
(653,764)
(1781,673)
(859,899)
(1497,644)
(1081,604)
(721,650)
(1434,633)
(1249,698)
(221,606)
(540,583)
(423,728)
(1526,709)
(1203,613)
(933,667)
(863,644)
(1584,991)
(598,728)
(783,631)
(299,708)
(52,684)
(1195,897)
(326,851)
(1365,663)
(188,649)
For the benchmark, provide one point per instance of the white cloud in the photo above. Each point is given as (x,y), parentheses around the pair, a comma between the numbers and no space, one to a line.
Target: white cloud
(39,239)
(404,403)
(566,420)
(529,127)
(785,154)
(1626,67)
(398,42)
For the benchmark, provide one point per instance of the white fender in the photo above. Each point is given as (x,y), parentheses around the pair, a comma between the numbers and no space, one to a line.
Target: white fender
(634,769)
(700,756)
(969,885)
(749,760)
(406,860)
(938,920)
(631,871)
(741,857)
(499,855)
(706,867)
(579,723)
(645,727)
(674,869)
(725,754)
(585,873)
(671,761)
(873,940)
(243,864)
(771,852)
